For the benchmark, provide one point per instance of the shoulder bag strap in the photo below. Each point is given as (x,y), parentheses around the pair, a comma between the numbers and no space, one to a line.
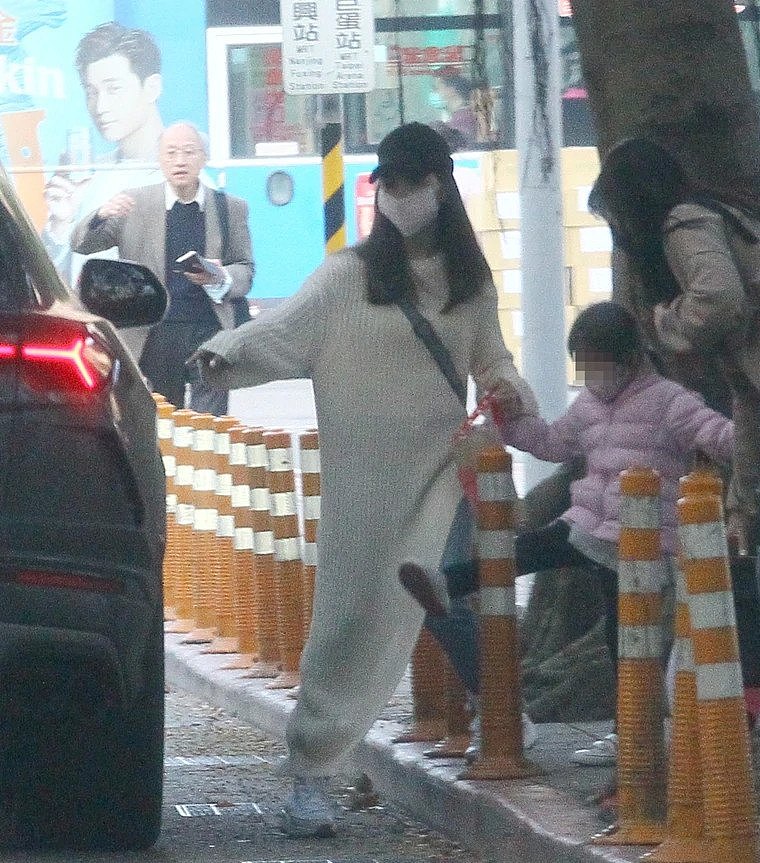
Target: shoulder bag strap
(424,331)
(223,214)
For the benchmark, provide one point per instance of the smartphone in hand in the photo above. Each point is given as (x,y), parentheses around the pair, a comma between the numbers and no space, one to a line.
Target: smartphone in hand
(192,262)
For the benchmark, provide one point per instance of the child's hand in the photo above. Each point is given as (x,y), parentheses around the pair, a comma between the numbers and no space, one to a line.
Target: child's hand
(207,360)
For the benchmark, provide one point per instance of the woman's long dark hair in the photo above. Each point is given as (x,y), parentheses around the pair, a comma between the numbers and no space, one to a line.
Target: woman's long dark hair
(639,184)
(389,275)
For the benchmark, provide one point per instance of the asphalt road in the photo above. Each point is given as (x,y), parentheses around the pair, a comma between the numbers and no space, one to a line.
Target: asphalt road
(222,796)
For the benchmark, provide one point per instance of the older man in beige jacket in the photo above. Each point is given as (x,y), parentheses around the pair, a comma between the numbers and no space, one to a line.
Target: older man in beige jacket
(154,225)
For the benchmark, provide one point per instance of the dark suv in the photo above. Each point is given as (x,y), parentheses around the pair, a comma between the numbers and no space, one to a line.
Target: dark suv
(82,532)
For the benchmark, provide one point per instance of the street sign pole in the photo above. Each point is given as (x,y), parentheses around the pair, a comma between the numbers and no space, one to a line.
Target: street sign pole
(333,175)
(328,48)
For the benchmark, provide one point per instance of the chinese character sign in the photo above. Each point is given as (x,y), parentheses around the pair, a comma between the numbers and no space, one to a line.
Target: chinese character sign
(327,46)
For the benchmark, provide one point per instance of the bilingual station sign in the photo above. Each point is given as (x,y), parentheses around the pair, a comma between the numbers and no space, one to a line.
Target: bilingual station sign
(327,46)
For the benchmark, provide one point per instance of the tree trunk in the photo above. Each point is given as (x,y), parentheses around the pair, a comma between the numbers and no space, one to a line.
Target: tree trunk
(675,71)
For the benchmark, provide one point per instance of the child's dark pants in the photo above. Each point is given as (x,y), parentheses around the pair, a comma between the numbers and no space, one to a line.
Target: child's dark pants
(535,551)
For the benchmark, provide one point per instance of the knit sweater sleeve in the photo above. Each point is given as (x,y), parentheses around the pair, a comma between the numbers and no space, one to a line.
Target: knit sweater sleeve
(93,234)
(491,360)
(283,342)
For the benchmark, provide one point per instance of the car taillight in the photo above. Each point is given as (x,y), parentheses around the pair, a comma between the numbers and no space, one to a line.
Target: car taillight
(80,362)
(58,356)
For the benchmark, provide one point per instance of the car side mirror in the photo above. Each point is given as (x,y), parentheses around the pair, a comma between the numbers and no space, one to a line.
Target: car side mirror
(122,292)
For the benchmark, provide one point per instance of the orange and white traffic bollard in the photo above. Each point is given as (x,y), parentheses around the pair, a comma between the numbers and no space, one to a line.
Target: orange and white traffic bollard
(730,818)
(264,582)
(501,751)
(182,441)
(204,531)
(310,482)
(428,673)
(242,554)
(641,690)
(288,566)
(165,434)
(224,595)
(684,830)
(457,739)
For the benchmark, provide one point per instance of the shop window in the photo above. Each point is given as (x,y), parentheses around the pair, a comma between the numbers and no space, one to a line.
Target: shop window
(432,77)
(264,119)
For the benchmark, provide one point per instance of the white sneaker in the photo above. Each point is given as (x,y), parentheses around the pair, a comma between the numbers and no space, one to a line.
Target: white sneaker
(529,733)
(601,753)
(308,812)
(529,730)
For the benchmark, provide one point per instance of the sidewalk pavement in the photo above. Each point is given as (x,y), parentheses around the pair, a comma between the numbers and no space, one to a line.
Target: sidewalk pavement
(542,820)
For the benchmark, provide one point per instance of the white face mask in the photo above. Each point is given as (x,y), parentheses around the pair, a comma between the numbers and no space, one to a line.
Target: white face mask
(411,213)
(607,383)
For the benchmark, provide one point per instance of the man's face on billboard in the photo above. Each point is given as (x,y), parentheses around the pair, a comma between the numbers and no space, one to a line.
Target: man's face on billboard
(118,101)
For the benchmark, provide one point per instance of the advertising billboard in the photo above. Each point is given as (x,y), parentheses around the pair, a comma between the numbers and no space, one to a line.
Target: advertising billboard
(85,90)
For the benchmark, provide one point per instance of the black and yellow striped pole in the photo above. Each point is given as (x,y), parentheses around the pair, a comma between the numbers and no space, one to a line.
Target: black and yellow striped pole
(333,180)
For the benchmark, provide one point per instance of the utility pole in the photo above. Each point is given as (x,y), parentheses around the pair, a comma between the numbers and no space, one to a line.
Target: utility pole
(328,50)
(538,124)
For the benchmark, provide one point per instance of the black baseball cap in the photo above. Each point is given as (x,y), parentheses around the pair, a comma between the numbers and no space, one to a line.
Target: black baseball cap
(412,151)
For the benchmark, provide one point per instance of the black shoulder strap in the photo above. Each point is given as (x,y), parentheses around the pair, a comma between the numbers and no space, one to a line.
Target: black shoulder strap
(424,331)
(223,214)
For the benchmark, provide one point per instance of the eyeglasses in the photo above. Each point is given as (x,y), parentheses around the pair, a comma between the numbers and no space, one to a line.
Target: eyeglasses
(186,152)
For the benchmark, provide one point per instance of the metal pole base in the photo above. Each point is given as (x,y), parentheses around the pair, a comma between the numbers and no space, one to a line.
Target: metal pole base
(501,767)
(263,669)
(222,645)
(423,731)
(285,680)
(453,746)
(243,662)
(633,833)
(181,626)
(200,636)
(681,851)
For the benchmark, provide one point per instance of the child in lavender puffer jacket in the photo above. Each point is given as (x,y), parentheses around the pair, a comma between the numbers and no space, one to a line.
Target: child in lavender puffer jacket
(625,416)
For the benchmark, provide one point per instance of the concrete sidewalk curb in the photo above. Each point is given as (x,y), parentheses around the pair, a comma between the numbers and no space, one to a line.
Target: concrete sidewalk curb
(515,820)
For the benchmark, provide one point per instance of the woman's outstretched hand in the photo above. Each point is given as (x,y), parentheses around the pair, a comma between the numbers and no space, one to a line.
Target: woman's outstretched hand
(505,400)
(207,361)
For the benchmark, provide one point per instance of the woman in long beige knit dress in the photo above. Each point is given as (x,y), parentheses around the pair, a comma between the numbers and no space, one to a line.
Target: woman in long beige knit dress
(386,417)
